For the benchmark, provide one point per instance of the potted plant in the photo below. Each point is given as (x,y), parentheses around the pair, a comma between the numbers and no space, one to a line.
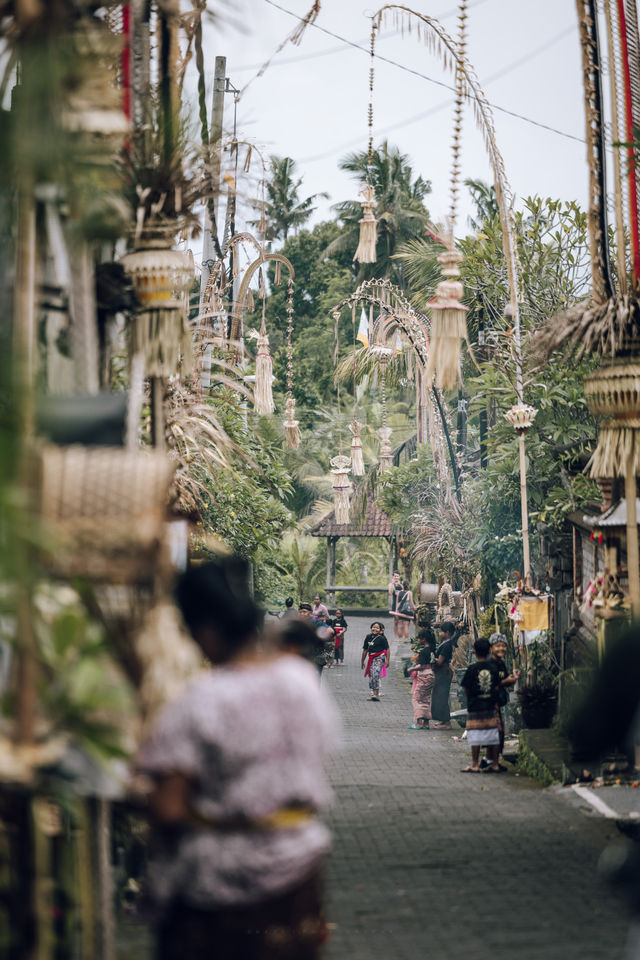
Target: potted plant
(538,701)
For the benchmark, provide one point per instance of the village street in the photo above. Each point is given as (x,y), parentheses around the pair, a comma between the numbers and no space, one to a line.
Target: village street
(429,862)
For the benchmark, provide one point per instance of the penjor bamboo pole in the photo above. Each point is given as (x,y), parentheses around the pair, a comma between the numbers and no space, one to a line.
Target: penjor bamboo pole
(633,557)
(523,507)
(618,193)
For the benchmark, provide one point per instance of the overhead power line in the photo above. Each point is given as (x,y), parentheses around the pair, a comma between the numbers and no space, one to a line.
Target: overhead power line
(424,76)
(436,108)
(313,55)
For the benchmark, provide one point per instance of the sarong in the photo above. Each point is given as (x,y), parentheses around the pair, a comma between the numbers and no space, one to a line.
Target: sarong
(483,729)
(376,668)
(440,700)
(291,925)
(421,693)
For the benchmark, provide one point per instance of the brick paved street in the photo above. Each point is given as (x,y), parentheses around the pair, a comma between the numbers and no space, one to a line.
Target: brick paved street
(430,863)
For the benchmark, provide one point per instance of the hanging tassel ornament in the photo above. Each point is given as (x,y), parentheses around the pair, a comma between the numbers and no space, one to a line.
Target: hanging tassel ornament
(263,395)
(357,460)
(448,315)
(385,456)
(251,303)
(340,467)
(366,252)
(277,274)
(160,330)
(448,324)
(291,425)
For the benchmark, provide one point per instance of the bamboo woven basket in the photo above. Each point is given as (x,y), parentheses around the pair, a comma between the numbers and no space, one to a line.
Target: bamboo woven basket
(613,394)
(103,510)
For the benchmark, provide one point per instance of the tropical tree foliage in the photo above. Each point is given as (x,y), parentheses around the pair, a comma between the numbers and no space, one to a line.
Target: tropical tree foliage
(284,210)
(399,210)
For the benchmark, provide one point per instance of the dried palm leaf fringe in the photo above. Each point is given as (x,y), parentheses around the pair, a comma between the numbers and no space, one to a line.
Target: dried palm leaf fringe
(615,446)
(264,374)
(164,339)
(448,328)
(291,425)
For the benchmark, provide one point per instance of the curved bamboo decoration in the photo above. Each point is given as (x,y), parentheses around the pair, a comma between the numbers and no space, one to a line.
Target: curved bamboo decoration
(240,303)
(387,297)
(443,44)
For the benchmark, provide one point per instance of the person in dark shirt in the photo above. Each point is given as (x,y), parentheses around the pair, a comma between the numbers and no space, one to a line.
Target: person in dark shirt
(339,625)
(375,650)
(499,649)
(481,683)
(443,673)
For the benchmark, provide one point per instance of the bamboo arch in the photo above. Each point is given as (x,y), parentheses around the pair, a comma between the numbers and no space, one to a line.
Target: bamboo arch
(390,300)
(385,295)
(240,301)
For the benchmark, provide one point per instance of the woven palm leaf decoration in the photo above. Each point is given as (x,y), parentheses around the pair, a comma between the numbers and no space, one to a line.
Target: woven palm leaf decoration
(291,425)
(340,468)
(160,328)
(366,250)
(448,314)
(263,394)
(613,395)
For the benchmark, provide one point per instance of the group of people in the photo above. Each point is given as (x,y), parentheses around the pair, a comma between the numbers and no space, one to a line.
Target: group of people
(431,676)
(486,684)
(330,631)
(401,606)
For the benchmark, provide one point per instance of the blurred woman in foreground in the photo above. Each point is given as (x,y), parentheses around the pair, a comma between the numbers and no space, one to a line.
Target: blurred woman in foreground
(237,764)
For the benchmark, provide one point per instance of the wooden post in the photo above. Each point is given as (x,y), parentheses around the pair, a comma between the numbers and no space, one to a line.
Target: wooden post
(24,345)
(334,541)
(633,559)
(328,584)
(157,412)
(215,147)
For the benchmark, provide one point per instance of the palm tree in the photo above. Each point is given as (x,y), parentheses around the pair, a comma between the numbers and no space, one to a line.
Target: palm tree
(284,210)
(484,197)
(400,209)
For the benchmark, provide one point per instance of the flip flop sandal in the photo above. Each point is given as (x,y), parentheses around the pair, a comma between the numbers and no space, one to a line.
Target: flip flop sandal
(493,770)
(470,770)
(377,699)
(414,726)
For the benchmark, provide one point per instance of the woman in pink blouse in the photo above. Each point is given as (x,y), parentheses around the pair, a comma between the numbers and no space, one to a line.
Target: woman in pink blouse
(237,764)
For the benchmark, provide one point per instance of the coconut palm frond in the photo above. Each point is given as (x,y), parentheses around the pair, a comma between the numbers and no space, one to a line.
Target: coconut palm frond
(420,260)
(199,441)
(320,509)
(368,361)
(601,329)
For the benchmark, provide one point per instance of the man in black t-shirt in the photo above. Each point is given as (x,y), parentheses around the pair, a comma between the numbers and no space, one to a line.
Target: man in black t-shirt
(375,650)
(480,683)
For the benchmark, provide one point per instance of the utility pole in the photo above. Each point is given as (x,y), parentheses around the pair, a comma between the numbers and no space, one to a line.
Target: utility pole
(215,140)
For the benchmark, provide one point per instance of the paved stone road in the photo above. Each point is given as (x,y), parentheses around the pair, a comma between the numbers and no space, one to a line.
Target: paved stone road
(430,863)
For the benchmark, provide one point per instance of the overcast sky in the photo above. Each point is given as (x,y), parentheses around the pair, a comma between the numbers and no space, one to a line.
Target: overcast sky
(311,103)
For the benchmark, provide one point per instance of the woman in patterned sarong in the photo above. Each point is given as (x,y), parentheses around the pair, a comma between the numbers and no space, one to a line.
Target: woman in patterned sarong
(422,690)
(375,651)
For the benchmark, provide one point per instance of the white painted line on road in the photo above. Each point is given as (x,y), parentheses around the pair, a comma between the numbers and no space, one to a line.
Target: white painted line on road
(596,802)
